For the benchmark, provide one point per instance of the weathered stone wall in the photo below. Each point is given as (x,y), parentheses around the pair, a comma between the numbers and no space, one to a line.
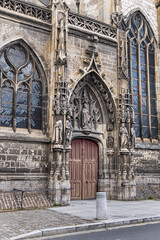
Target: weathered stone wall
(23,163)
(107,56)
(97,9)
(147,166)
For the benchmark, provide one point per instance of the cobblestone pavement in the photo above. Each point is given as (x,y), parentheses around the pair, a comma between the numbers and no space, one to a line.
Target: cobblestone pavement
(16,223)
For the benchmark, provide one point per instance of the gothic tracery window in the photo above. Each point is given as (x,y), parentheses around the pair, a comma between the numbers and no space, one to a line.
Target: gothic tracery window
(141,70)
(20,88)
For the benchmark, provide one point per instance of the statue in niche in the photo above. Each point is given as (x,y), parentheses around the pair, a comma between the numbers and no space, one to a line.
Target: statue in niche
(86,117)
(133,137)
(69,130)
(57,135)
(123,136)
(110,141)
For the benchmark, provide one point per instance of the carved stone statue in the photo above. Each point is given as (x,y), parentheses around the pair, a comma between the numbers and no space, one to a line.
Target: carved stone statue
(57,135)
(123,136)
(69,130)
(110,141)
(86,117)
(133,137)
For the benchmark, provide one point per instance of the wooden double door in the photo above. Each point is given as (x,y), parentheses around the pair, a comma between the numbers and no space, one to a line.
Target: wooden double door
(83,168)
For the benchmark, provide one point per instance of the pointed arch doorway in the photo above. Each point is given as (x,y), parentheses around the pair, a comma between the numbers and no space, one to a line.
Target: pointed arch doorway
(83,168)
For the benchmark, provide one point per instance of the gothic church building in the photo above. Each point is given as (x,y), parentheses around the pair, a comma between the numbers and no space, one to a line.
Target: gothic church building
(79,97)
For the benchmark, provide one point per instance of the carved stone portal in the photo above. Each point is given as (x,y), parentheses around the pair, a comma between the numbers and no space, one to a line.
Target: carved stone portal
(86,111)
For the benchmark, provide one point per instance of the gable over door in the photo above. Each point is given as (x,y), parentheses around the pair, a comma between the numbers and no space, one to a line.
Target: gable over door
(83,168)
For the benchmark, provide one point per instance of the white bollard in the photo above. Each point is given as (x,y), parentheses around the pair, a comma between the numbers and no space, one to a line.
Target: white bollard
(101,205)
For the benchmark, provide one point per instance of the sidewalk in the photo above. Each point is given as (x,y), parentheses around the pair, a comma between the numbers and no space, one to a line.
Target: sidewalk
(80,215)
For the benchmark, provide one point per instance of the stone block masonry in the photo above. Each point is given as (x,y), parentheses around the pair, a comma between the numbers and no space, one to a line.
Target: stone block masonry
(18,159)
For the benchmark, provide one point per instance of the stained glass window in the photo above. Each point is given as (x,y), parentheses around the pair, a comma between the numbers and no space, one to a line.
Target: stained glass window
(141,71)
(21,91)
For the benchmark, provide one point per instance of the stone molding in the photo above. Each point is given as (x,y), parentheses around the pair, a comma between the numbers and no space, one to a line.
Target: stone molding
(28,9)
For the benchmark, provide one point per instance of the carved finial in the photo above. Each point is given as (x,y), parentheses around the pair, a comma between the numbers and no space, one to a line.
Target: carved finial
(78,4)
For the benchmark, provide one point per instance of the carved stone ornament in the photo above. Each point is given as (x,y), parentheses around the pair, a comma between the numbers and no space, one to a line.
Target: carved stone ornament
(110,141)
(57,134)
(123,73)
(124,138)
(86,110)
(28,9)
(69,130)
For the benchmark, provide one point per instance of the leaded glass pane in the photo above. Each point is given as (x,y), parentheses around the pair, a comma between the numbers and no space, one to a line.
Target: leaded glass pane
(16,56)
(135,52)
(144,85)
(152,78)
(36,75)
(134,65)
(36,87)
(22,109)
(6,112)
(22,97)
(144,105)
(144,92)
(143,68)
(154,121)
(143,76)
(145,120)
(154,133)
(135,100)
(36,123)
(137,119)
(137,131)
(151,59)
(5,67)
(153,107)
(145,132)
(151,70)
(136,108)
(36,100)
(21,122)
(135,74)
(6,121)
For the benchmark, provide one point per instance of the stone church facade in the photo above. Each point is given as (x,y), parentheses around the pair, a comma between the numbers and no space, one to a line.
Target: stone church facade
(79,97)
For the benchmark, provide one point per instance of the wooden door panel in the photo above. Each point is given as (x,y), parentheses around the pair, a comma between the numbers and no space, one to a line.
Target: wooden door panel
(83,168)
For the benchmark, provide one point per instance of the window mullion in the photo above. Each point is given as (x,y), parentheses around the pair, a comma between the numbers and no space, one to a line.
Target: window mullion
(140,91)
(14,108)
(131,87)
(148,88)
(29,110)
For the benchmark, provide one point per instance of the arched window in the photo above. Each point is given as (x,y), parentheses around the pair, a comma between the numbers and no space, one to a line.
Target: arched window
(141,70)
(20,88)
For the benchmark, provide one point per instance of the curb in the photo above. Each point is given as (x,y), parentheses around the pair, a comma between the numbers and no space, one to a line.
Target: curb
(84,227)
